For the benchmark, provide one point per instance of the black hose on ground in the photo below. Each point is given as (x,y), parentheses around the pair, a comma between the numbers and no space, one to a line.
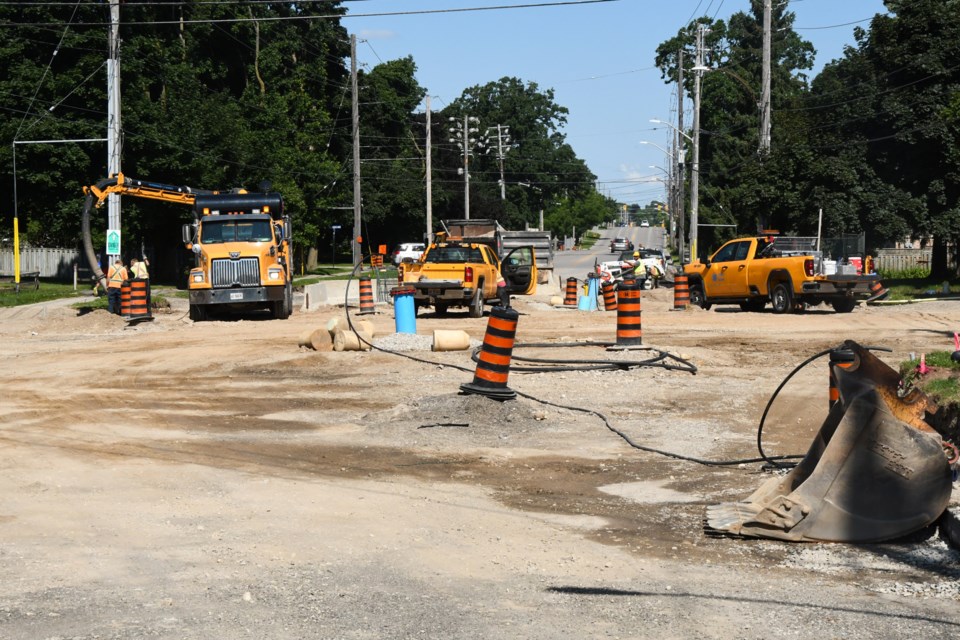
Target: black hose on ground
(772,460)
(626,438)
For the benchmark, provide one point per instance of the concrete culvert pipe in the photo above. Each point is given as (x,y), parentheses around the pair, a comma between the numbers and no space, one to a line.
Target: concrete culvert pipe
(450,340)
(304,339)
(333,324)
(348,341)
(316,339)
(340,324)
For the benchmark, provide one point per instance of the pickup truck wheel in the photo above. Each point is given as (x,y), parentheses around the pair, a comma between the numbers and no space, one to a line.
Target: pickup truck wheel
(476,305)
(843,305)
(698,298)
(781,298)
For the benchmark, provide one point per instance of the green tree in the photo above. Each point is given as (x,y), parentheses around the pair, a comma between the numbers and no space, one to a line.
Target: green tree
(538,154)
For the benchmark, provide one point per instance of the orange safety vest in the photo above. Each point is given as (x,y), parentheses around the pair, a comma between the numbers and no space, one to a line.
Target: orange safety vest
(116,277)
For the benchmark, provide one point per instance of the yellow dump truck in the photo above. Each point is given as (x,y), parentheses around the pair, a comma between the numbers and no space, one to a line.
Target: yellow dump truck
(240,240)
(463,274)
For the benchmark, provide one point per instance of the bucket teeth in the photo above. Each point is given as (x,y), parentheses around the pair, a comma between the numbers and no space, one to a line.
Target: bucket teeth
(730,516)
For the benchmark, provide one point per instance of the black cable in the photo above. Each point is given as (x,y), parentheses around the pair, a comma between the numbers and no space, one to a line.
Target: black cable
(603,418)
(770,460)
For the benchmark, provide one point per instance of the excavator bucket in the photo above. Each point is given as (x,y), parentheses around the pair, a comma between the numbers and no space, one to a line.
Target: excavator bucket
(876,470)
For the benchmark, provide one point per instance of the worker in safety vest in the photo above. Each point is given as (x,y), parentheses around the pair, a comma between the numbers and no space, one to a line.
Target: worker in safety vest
(654,273)
(138,269)
(115,278)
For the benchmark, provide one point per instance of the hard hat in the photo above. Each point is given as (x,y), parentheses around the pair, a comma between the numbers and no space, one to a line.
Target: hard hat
(636,254)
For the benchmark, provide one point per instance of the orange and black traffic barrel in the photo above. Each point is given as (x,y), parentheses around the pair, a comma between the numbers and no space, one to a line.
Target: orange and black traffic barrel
(629,328)
(570,298)
(681,292)
(877,291)
(366,296)
(125,298)
(609,297)
(138,308)
(843,358)
(493,358)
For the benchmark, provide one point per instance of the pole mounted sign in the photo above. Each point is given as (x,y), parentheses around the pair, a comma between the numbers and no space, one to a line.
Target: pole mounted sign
(113,242)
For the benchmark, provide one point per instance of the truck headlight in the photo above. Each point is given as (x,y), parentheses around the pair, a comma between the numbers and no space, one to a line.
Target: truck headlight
(198,277)
(274,274)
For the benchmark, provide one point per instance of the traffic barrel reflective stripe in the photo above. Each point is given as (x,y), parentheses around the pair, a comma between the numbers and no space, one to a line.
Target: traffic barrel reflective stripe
(681,292)
(125,298)
(570,299)
(629,327)
(366,297)
(609,297)
(493,359)
(138,308)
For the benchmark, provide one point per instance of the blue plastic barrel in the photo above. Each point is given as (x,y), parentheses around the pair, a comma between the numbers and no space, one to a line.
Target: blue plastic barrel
(589,301)
(404,310)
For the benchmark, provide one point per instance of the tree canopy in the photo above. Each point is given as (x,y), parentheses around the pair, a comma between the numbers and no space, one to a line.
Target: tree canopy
(872,139)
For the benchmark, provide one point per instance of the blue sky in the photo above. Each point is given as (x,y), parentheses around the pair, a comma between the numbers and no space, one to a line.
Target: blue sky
(598,58)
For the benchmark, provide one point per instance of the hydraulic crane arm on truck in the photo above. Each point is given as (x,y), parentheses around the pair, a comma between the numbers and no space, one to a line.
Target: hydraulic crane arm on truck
(241,242)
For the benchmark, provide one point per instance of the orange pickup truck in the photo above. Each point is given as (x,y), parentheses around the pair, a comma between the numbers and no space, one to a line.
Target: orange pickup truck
(461,274)
(754,271)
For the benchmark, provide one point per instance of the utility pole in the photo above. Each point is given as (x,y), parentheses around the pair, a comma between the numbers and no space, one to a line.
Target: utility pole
(113,119)
(695,169)
(429,235)
(357,236)
(503,137)
(765,81)
(461,132)
(680,157)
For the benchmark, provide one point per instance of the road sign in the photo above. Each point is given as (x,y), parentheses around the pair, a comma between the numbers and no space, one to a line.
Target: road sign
(113,242)
(334,226)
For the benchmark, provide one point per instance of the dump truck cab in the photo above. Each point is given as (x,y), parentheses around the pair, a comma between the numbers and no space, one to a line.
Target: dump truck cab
(241,244)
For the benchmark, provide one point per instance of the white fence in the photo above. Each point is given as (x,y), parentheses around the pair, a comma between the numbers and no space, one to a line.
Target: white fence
(51,263)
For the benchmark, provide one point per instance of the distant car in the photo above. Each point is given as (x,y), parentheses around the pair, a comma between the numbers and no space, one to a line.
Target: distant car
(409,251)
(620,244)
(644,223)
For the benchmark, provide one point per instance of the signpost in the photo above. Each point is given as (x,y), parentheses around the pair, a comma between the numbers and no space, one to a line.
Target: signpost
(333,249)
(113,242)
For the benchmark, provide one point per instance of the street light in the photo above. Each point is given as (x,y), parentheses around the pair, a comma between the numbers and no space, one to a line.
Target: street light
(674,127)
(654,144)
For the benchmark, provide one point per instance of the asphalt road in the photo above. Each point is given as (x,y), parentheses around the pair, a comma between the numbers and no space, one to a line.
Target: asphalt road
(576,264)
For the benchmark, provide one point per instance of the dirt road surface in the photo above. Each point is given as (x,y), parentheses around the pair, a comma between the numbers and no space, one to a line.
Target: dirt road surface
(215,480)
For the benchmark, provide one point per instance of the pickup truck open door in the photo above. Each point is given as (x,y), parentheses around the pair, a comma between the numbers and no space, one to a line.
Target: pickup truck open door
(519,269)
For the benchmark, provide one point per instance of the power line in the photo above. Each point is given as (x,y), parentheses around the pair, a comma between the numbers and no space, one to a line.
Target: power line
(534,5)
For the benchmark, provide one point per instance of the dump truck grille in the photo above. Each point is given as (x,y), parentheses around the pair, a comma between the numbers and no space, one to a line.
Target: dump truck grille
(244,272)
